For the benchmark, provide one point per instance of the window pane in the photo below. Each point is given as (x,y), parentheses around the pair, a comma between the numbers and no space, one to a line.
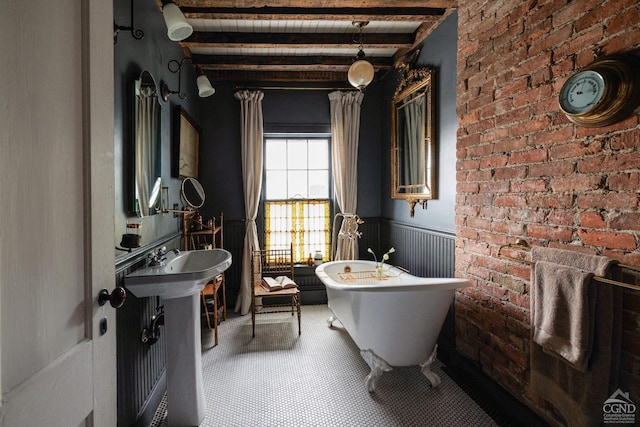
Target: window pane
(297,185)
(276,185)
(275,156)
(319,184)
(297,154)
(319,154)
(302,223)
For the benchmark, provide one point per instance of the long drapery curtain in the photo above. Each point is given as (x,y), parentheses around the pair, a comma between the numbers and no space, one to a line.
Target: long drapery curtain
(146,137)
(345,132)
(251,140)
(414,146)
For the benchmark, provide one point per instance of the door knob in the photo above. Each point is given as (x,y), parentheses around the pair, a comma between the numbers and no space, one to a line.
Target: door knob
(115,298)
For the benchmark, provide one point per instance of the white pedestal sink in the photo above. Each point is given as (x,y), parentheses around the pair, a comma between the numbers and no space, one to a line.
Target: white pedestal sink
(179,280)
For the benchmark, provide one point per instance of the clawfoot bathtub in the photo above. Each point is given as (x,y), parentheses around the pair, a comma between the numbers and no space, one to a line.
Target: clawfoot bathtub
(394,318)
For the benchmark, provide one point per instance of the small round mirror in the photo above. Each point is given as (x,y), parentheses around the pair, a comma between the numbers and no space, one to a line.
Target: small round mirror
(192,193)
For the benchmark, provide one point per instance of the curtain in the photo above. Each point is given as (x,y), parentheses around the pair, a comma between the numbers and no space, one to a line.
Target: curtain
(414,146)
(345,131)
(146,137)
(251,147)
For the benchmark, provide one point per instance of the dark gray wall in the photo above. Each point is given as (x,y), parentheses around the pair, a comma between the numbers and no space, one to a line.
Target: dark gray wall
(131,57)
(438,51)
(221,173)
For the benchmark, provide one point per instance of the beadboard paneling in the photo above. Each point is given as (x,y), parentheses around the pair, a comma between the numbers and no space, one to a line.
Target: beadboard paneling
(141,367)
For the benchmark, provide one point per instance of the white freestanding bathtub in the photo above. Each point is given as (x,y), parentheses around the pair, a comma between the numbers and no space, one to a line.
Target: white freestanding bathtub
(394,319)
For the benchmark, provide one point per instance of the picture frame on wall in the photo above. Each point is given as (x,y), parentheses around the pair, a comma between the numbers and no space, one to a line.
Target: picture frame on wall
(186,145)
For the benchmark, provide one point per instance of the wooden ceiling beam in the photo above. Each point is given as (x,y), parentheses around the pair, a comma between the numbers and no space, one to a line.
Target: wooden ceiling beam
(276,76)
(314,3)
(293,40)
(306,14)
(283,63)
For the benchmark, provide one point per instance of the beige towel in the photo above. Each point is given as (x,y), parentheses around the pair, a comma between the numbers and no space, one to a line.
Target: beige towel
(598,265)
(578,396)
(563,312)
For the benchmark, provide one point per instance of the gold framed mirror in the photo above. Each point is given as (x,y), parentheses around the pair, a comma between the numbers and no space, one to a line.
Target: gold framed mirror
(413,144)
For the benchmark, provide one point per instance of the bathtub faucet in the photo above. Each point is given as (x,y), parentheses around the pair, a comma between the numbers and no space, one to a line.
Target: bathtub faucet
(349,231)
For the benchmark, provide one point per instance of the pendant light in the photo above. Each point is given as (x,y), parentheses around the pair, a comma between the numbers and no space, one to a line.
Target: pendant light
(178,28)
(361,71)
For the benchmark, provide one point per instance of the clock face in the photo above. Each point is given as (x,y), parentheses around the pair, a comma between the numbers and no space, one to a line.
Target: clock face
(582,92)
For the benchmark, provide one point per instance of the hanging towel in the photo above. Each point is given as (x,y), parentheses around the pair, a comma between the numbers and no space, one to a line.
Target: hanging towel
(576,394)
(564,309)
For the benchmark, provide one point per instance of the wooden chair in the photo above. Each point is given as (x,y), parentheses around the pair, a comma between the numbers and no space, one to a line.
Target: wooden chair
(272,263)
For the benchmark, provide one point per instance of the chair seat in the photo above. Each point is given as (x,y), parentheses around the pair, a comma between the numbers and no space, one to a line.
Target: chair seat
(262,292)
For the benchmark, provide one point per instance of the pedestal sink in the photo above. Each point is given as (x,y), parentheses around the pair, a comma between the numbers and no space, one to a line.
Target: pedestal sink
(178,280)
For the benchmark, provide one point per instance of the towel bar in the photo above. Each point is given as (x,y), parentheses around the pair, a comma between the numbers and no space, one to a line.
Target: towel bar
(522,245)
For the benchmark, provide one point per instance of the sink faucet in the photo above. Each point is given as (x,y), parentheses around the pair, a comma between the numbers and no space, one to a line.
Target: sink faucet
(158,256)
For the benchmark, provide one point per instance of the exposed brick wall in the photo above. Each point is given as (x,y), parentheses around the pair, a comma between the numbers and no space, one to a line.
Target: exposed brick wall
(525,171)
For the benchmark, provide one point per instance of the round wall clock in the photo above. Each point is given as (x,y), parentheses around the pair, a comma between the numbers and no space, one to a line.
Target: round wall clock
(603,93)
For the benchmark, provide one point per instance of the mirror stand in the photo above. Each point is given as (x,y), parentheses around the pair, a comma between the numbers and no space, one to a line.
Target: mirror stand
(191,192)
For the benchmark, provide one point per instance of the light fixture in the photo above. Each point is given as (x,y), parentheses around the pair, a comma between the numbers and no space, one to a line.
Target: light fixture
(361,71)
(165,92)
(136,33)
(204,85)
(178,28)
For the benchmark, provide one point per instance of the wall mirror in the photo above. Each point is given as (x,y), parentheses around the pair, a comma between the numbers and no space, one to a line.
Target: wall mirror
(413,145)
(147,182)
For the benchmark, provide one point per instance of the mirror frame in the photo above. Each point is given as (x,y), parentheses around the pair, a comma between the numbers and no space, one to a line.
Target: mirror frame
(414,80)
(145,78)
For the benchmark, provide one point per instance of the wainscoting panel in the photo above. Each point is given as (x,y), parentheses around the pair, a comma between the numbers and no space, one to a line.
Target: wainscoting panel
(141,367)
(423,252)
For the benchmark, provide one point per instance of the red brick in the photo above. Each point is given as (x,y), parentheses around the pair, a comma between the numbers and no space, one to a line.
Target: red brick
(592,220)
(561,218)
(626,221)
(576,9)
(553,39)
(528,186)
(622,141)
(576,183)
(629,19)
(558,234)
(621,162)
(575,44)
(551,169)
(529,156)
(608,239)
(594,18)
(575,149)
(608,201)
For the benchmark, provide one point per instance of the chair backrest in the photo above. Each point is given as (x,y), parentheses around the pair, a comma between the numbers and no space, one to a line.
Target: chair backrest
(277,262)
(271,262)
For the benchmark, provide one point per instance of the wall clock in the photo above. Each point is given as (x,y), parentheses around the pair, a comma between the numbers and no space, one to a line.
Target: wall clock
(605,92)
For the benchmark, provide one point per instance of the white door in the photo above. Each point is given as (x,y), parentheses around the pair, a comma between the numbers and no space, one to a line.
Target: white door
(56,214)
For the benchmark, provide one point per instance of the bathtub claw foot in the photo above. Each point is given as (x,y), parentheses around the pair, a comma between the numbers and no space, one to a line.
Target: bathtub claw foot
(330,320)
(378,367)
(433,378)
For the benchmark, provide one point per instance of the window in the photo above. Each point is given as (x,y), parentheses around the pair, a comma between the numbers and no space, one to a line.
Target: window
(297,195)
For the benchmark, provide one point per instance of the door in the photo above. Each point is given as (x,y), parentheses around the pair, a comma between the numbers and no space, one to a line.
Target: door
(56,214)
